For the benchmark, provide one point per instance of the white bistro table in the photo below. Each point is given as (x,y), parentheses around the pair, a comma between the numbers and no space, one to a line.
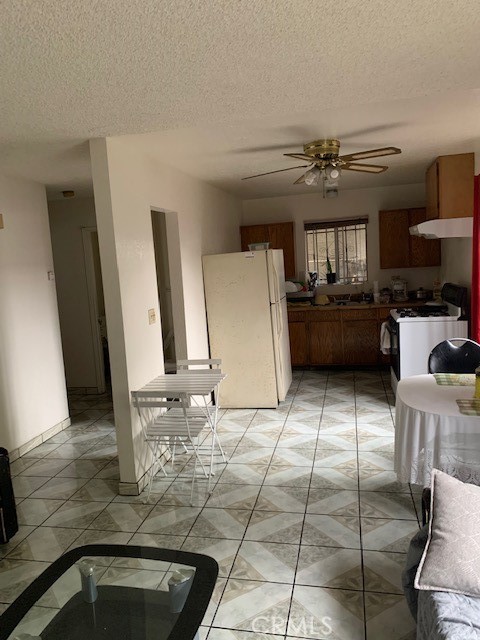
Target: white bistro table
(193,389)
(183,384)
(430,432)
(190,386)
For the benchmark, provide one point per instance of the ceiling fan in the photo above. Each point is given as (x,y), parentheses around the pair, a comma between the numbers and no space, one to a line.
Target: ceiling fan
(325,162)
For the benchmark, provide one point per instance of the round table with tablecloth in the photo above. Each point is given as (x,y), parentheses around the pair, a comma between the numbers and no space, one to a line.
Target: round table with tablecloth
(430,432)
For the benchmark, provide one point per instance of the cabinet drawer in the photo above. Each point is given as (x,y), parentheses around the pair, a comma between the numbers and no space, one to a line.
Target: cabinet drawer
(359,314)
(324,315)
(296,316)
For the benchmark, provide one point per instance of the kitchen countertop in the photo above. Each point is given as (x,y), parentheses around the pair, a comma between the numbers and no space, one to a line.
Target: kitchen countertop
(371,305)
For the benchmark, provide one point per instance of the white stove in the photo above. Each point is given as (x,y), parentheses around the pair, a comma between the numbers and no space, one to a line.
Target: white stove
(414,332)
(431,313)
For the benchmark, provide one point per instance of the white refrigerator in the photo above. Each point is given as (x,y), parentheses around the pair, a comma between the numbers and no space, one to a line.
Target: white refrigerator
(248,326)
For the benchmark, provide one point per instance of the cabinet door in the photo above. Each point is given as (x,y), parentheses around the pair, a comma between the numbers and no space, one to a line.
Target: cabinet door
(394,239)
(280,236)
(423,252)
(253,233)
(361,342)
(431,191)
(325,343)
(455,185)
(298,343)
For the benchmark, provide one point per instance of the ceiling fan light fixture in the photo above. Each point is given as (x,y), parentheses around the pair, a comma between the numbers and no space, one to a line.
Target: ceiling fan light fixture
(331,192)
(312,177)
(332,172)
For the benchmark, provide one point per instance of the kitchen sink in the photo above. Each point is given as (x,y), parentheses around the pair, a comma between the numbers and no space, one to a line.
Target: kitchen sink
(348,303)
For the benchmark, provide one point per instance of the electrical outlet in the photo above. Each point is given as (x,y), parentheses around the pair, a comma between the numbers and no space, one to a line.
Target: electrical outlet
(152,316)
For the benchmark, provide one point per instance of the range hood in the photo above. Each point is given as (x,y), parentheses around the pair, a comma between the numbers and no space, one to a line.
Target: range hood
(444,228)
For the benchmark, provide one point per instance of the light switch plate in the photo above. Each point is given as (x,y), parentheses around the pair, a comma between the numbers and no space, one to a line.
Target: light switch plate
(152,316)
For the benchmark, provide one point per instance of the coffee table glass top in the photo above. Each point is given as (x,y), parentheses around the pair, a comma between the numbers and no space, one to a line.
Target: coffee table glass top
(120,592)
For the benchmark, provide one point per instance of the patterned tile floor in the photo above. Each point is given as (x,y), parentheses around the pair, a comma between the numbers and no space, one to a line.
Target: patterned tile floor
(306,520)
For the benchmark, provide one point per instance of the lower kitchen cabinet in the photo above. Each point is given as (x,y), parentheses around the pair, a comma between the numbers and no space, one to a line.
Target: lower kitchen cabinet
(360,342)
(325,343)
(336,337)
(298,343)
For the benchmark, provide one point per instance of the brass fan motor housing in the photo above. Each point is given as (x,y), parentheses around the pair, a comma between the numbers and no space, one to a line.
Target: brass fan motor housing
(322,149)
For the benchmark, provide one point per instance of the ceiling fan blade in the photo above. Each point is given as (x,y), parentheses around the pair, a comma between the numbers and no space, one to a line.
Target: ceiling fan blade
(299,156)
(372,153)
(366,168)
(301,166)
(300,180)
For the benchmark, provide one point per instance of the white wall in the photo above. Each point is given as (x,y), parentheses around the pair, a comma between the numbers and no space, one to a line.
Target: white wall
(457,261)
(32,382)
(128,184)
(350,203)
(67,217)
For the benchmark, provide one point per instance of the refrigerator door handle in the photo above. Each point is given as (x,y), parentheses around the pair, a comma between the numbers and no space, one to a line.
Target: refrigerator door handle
(276,285)
(280,319)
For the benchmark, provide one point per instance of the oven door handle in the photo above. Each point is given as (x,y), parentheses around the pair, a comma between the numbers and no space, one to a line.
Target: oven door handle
(393,331)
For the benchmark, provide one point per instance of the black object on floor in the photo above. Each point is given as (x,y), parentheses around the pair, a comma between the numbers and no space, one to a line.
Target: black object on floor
(8,510)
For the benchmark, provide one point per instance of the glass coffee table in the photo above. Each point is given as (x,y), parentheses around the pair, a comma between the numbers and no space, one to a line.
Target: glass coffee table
(115,592)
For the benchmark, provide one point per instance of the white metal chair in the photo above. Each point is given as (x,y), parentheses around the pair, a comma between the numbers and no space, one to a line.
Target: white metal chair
(166,423)
(199,366)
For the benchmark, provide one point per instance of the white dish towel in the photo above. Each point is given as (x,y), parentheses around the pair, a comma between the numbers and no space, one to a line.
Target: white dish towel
(385,343)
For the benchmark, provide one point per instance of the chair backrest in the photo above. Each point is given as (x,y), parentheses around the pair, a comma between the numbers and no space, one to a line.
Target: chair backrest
(199,365)
(447,357)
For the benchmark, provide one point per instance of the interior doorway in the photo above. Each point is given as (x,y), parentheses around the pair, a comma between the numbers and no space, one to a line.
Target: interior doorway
(164,286)
(96,302)
(166,241)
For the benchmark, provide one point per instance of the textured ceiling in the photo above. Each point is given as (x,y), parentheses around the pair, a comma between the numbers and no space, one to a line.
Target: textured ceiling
(220,77)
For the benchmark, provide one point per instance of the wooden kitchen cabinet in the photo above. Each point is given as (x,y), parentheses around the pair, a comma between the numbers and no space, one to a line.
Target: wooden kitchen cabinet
(280,235)
(360,337)
(325,342)
(399,249)
(360,342)
(394,237)
(298,343)
(423,252)
(253,233)
(449,187)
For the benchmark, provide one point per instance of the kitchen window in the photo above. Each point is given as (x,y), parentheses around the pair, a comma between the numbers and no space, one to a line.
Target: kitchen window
(342,244)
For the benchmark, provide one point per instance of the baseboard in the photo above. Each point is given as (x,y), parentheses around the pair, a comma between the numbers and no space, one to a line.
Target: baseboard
(136,488)
(20,451)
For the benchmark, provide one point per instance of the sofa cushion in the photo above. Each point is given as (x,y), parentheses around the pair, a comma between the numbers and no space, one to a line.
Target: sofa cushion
(451,559)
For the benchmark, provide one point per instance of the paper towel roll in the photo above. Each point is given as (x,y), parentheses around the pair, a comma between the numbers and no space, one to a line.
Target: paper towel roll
(375,286)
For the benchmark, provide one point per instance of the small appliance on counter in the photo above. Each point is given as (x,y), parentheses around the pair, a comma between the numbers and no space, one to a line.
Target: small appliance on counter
(421,294)
(399,289)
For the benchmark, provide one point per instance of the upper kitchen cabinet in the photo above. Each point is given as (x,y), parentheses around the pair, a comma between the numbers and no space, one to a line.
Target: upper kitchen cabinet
(280,235)
(449,187)
(399,249)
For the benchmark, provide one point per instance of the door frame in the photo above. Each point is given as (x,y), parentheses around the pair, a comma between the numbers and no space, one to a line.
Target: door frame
(92,288)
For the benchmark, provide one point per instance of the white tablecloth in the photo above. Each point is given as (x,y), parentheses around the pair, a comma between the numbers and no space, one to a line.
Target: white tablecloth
(430,432)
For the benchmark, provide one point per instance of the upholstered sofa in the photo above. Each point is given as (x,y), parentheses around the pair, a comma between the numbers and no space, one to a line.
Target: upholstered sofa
(442,614)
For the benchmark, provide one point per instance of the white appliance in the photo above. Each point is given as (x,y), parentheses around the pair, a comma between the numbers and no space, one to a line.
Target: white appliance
(414,332)
(248,326)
